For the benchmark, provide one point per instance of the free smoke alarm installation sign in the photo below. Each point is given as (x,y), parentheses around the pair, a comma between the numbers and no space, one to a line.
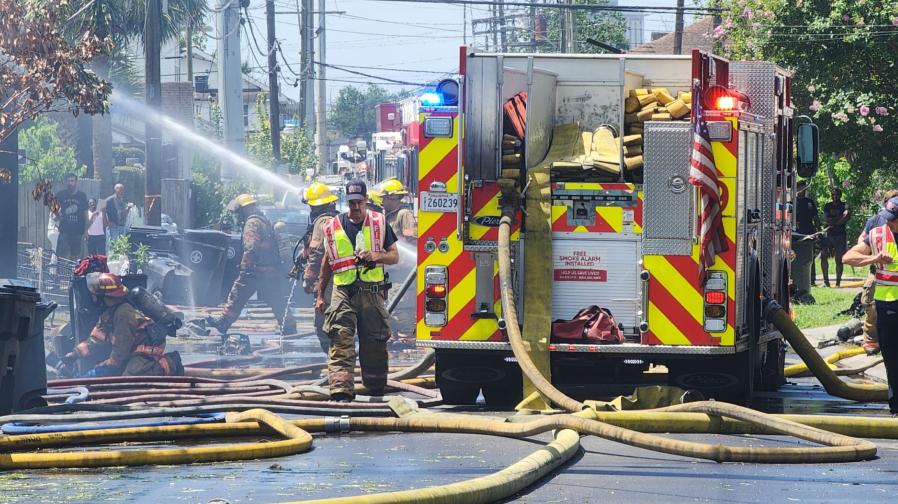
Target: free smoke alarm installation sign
(581,263)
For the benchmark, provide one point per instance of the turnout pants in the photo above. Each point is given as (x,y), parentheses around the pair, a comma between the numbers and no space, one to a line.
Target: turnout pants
(870,334)
(270,290)
(352,311)
(887,327)
(323,339)
(144,365)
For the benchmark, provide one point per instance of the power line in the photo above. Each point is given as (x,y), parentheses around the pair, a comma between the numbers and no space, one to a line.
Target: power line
(368,75)
(617,8)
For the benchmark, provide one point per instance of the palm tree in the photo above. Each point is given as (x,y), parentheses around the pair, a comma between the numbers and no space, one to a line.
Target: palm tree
(123,22)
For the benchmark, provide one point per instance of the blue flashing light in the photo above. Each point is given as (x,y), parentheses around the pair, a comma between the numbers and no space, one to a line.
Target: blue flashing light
(432,99)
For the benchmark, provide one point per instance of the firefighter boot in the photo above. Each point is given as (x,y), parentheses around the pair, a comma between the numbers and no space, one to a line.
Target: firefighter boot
(222,324)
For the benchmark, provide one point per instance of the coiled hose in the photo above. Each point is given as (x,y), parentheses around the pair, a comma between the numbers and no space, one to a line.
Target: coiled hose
(774,314)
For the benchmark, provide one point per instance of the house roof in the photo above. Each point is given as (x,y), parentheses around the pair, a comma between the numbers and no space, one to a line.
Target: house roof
(698,35)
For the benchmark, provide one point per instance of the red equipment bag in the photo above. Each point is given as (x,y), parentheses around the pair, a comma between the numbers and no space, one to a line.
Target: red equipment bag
(590,324)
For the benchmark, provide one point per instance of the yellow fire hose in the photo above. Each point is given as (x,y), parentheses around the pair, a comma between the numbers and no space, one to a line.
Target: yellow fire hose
(798,369)
(833,385)
(297,441)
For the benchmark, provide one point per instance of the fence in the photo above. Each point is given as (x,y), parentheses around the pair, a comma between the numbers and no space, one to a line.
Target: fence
(49,274)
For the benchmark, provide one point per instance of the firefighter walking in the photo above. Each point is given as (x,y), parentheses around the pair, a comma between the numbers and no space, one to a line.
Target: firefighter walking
(258,271)
(323,206)
(358,244)
(402,221)
(879,249)
(138,343)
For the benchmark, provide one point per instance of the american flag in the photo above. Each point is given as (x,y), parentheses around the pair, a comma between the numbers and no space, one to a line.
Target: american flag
(703,174)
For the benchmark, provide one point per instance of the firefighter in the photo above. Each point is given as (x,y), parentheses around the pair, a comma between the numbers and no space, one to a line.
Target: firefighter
(879,249)
(375,201)
(399,217)
(258,271)
(323,206)
(358,244)
(138,343)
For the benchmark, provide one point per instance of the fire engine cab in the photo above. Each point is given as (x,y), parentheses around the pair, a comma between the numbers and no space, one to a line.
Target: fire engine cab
(596,151)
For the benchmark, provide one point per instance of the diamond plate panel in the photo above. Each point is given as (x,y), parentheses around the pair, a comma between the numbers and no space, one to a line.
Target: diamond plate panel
(768,179)
(667,210)
(746,189)
(757,79)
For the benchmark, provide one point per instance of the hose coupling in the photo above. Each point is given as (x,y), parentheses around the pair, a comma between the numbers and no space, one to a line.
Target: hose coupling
(334,425)
(502,324)
(769,308)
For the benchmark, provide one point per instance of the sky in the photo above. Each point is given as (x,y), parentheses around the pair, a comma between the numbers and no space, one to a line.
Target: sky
(397,40)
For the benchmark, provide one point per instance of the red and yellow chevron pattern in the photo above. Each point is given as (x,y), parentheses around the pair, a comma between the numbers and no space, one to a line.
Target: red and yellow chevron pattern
(485,212)
(676,304)
(438,161)
(609,219)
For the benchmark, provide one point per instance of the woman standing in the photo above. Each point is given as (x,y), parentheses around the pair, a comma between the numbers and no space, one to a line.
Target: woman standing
(96,230)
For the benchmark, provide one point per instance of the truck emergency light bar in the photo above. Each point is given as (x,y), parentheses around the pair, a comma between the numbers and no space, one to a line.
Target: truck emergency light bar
(722,99)
(445,94)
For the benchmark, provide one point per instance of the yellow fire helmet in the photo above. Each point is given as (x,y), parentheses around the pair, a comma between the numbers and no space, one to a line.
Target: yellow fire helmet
(393,187)
(318,194)
(244,200)
(375,198)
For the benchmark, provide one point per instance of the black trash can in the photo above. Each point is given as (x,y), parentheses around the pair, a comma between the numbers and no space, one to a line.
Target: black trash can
(168,279)
(204,251)
(155,237)
(83,317)
(23,379)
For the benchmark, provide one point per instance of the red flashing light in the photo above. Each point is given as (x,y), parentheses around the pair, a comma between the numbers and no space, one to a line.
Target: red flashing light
(552,348)
(572,348)
(715,297)
(436,291)
(721,99)
(593,349)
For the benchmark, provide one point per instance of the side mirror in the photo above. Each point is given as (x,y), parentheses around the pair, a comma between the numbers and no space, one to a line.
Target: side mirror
(808,147)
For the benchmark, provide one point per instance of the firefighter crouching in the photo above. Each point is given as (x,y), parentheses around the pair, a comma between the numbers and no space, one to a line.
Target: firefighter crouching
(358,244)
(258,271)
(402,221)
(323,206)
(138,343)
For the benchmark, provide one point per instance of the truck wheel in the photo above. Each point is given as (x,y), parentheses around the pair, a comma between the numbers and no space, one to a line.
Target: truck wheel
(502,396)
(460,396)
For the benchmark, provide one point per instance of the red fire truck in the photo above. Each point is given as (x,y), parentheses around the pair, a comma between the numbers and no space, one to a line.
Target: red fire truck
(619,230)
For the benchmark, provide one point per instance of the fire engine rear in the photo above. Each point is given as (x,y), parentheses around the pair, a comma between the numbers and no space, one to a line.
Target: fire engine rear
(595,154)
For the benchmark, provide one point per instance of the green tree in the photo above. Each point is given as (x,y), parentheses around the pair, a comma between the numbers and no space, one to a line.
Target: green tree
(605,26)
(843,54)
(121,21)
(48,158)
(297,149)
(352,113)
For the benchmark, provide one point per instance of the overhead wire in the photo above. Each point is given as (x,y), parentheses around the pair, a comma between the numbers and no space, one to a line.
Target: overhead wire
(367,75)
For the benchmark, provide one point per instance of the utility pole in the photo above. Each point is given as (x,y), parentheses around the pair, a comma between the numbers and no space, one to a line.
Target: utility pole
(189,53)
(494,27)
(301,15)
(274,119)
(321,130)
(502,34)
(152,199)
(572,29)
(678,29)
(230,83)
(9,206)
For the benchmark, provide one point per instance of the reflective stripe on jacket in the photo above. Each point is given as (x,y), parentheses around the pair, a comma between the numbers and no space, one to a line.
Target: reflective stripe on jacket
(882,238)
(341,254)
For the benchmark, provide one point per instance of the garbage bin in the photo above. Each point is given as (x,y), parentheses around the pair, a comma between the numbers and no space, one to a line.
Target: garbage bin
(155,237)
(168,279)
(801,267)
(23,376)
(83,317)
(204,251)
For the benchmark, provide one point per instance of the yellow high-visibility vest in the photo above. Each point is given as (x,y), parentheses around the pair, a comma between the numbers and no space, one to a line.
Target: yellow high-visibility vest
(341,254)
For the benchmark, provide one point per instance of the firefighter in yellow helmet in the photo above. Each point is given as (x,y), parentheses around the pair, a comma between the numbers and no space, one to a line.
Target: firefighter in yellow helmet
(258,270)
(137,342)
(307,264)
(401,219)
(375,201)
(358,244)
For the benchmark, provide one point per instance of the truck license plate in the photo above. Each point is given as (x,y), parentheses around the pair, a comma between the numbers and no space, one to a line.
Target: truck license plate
(438,202)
